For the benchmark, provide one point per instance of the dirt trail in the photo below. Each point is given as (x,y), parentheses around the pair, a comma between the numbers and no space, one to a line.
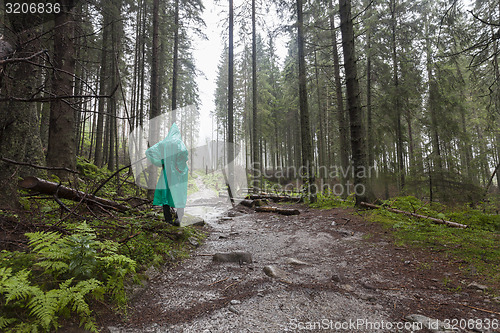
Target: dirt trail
(354,275)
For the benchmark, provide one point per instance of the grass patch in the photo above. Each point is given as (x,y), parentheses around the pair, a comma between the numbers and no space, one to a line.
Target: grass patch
(329,201)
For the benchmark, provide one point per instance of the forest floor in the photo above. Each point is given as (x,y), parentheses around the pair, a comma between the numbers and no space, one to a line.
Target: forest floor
(333,271)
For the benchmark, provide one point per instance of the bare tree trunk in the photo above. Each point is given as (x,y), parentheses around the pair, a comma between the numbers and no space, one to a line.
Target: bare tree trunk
(369,121)
(305,128)
(361,185)
(397,101)
(19,131)
(255,152)
(103,89)
(341,118)
(176,60)
(154,90)
(230,96)
(62,142)
(321,138)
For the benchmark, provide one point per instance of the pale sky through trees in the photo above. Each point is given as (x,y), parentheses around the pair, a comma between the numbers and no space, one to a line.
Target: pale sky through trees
(207,54)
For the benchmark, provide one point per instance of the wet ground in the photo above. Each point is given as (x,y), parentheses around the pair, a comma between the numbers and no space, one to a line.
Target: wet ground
(333,271)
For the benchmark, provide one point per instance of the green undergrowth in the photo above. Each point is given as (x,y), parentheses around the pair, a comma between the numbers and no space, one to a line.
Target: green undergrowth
(476,249)
(329,201)
(67,265)
(212,180)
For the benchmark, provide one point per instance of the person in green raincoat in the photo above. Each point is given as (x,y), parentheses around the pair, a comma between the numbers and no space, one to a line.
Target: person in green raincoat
(171,156)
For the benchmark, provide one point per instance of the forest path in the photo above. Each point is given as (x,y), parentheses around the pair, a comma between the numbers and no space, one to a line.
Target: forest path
(355,277)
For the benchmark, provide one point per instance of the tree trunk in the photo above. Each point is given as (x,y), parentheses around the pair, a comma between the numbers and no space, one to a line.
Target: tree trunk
(361,185)
(369,121)
(103,90)
(19,131)
(62,142)
(230,96)
(321,138)
(341,118)
(256,167)
(175,63)
(305,130)
(397,100)
(154,89)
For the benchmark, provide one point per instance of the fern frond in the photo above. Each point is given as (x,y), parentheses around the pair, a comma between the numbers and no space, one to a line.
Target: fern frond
(5,274)
(49,244)
(4,322)
(53,266)
(41,239)
(18,287)
(44,306)
(120,261)
(76,295)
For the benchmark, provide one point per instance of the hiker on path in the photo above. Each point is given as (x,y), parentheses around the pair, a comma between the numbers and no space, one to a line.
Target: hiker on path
(171,156)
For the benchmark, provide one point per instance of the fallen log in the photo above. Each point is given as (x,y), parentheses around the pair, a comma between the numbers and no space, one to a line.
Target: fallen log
(433,219)
(282,211)
(46,187)
(248,203)
(275,198)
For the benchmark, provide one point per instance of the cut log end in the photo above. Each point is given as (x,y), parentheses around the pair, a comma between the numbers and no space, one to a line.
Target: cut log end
(28,182)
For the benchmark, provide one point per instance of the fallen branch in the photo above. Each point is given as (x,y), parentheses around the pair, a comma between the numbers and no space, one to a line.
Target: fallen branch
(46,187)
(211,284)
(232,284)
(126,239)
(282,211)
(479,309)
(273,197)
(109,178)
(433,219)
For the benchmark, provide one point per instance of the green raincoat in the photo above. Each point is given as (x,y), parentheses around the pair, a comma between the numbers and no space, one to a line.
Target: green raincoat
(171,155)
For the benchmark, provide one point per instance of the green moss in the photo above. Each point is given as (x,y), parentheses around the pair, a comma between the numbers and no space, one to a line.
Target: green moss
(328,201)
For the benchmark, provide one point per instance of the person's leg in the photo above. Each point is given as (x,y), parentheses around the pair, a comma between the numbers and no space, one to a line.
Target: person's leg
(167,214)
(180,214)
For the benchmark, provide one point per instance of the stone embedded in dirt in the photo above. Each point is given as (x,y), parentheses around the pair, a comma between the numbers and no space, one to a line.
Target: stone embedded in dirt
(433,325)
(239,257)
(235,302)
(347,287)
(233,309)
(293,261)
(274,272)
(475,285)
(337,278)
(368,285)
